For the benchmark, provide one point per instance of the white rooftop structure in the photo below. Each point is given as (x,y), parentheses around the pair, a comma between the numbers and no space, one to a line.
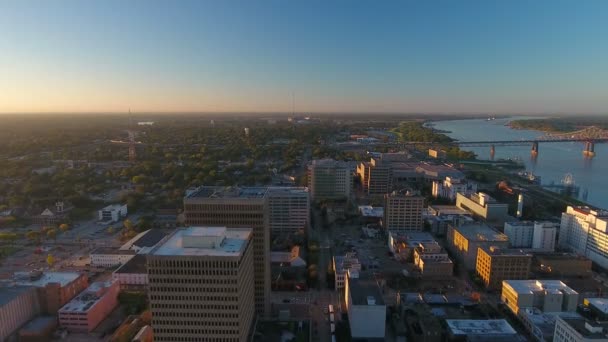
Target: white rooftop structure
(205,241)
(478,327)
(41,279)
(369,211)
(535,285)
(600,304)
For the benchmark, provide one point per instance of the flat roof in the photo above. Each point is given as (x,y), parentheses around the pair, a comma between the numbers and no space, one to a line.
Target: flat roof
(369,211)
(137,264)
(480,327)
(233,242)
(581,326)
(39,324)
(364,290)
(545,321)
(448,210)
(149,238)
(506,251)
(330,163)
(228,192)
(33,279)
(9,293)
(288,190)
(112,251)
(113,207)
(88,298)
(480,232)
(535,285)
(600,304)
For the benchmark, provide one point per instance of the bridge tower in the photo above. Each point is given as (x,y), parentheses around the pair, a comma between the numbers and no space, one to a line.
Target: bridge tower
(492,151)
(589,151)
(534,151)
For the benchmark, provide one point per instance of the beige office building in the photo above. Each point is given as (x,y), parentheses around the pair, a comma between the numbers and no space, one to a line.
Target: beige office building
(201,285)
(403,211)
(545,295)
(237,208)
(376,176)
(497,264)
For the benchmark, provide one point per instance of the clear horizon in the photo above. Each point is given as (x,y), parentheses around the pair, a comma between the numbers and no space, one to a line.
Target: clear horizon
(394,57)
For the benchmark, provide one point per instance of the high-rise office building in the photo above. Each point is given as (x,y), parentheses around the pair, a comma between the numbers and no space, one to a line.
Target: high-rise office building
(330,179)
(403,211)
(497,264)
(585,231)
(276,210)
(237,208)
(288,209)
(201,285)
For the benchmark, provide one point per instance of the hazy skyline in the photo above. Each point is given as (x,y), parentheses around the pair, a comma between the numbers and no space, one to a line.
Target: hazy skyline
(337,56)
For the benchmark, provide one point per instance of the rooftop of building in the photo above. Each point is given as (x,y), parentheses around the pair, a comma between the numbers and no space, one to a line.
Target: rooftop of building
(330,163)
(112,251)
(480,232)
(412,237)
(364,291)
(559,256)
(8,293)
(227,192)
(88,298)
(343,262)
(585,210)
(447,210)
(497,251)
(113,207)
(38,325)
(545,321)
(480,327)
(369,211)
(137,264)
(588,329)
(536,285)
(205,241)
(276,191)
(600,304)
(41,279)
(520,223)
(149,238)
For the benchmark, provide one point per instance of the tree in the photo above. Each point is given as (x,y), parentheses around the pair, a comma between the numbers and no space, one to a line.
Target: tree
(50,259)
(64,227)
(110,230)
(33,235)
(128,224)
(51,234)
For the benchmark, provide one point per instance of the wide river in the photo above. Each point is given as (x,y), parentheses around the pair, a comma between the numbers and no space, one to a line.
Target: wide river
(554,161)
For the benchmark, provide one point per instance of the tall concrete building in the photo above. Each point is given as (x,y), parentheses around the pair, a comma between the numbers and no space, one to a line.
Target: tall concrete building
(376,176)
(330,179)
(464,242)
(585,232)
(449,187)
(520,233)
(495,265)
(267,210)
(237,208)
(545,235)
(201,285)
(289,210)
(483,206)
(403,211)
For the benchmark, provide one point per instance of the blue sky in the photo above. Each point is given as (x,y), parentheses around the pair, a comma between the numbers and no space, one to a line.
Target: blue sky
(337,56)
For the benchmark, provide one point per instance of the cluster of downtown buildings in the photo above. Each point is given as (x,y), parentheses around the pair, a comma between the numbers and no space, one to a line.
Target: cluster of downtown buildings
(210,280)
